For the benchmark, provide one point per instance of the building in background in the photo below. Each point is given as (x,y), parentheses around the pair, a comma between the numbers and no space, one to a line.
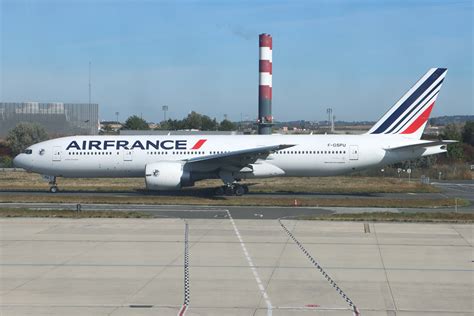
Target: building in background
(59,119)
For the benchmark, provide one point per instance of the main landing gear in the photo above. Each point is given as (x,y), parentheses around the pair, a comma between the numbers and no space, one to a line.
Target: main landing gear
(232,189)
(231,186)
(53,187)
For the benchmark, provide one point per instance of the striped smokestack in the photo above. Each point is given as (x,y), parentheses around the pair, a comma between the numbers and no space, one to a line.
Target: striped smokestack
(265,118)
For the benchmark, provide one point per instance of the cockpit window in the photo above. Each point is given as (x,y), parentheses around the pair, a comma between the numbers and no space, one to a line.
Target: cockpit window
(28,151)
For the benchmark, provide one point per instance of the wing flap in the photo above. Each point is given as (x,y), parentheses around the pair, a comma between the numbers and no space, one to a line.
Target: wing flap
(233,160)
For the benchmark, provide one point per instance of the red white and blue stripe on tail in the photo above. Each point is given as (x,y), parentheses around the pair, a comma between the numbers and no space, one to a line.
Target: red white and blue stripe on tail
(410,114)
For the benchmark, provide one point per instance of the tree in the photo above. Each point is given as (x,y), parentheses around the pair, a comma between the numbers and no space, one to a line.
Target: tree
(198,121)
(208,124)
(227,125)
(6,161)
(451,132)
(193,121)
(468,133)
(136,123)
(24,135)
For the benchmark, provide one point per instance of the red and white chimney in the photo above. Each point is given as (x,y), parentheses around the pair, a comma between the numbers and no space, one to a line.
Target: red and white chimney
(265,118)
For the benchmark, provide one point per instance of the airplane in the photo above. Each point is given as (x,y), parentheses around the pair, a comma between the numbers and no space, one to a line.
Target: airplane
(171,162)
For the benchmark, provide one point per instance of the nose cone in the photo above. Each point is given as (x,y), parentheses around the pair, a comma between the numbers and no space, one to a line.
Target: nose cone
(19,161)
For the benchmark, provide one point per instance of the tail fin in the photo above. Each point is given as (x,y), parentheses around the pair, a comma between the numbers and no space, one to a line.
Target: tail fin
(410,114)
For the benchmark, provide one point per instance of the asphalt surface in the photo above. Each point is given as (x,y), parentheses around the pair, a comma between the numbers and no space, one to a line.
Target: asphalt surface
(218,212)
(458,189)
(190,192)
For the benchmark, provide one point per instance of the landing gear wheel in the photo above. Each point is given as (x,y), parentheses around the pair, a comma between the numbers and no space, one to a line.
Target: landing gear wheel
(246,188)
(229,190)
(239,190)
(52,182)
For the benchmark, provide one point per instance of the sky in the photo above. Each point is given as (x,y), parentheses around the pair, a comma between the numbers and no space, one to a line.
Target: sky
(357,57)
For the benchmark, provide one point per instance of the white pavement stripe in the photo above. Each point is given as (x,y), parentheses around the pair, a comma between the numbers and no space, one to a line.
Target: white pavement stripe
(252,267)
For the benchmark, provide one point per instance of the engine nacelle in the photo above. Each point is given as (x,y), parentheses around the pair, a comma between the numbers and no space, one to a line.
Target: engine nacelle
(165,176)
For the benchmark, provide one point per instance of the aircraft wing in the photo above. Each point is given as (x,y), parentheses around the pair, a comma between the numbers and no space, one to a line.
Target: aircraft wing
(233,160)
(422,145)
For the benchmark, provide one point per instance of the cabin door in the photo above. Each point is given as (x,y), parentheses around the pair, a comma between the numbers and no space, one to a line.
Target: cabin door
(56,153)
(354,152)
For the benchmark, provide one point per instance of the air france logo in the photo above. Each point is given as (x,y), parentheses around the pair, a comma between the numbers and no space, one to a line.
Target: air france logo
(179,144)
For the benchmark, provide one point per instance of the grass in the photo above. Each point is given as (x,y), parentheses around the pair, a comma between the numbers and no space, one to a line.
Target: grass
(202,193)
(24,212)
(234,201)
(397,217)
(344,185)
(427,217)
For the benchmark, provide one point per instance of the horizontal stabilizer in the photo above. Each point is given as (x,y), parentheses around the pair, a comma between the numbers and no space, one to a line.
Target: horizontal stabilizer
(422,145)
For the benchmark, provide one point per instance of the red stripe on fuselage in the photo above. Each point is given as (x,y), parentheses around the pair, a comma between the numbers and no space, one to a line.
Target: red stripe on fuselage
(199,144)
(419,121)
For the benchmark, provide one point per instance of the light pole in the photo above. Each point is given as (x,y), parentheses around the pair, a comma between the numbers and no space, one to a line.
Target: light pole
(164,108)
(117,115)
(330,119)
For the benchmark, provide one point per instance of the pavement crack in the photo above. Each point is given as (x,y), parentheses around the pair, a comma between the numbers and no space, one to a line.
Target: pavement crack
(462,237)
(277,265)
(384,269)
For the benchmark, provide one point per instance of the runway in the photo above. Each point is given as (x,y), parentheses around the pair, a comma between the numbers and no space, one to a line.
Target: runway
(235,267)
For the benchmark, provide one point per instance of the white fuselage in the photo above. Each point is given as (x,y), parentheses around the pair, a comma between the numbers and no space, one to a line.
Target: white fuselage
(127,156)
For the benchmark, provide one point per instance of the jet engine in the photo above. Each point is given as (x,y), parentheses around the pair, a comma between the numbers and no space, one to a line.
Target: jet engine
(166,176)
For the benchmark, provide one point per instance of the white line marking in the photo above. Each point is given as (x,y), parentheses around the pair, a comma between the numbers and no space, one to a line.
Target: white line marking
(252,267)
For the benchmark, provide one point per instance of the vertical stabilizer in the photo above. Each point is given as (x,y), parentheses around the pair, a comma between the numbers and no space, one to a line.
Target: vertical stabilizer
(410,114)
